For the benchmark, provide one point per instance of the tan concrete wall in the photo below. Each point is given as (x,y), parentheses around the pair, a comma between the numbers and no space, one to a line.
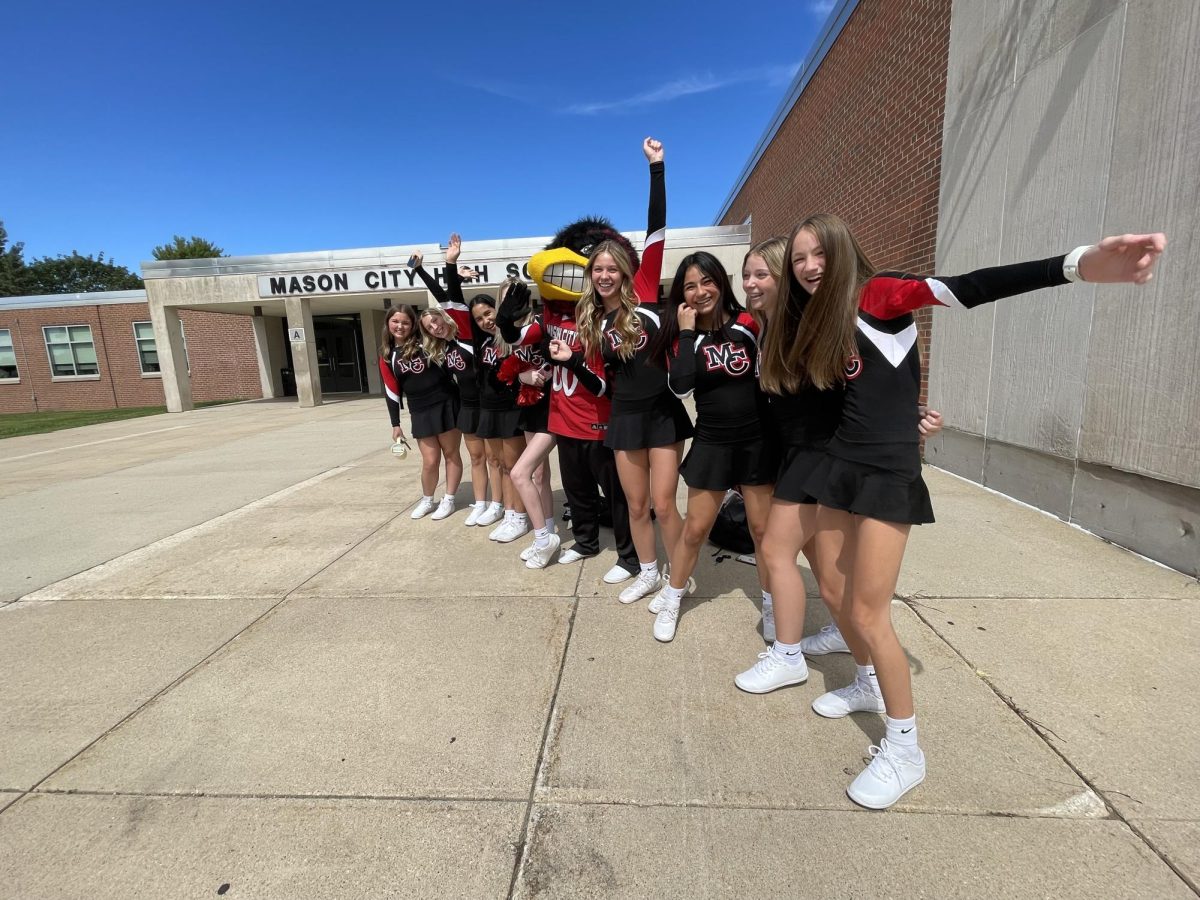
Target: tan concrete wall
(1067,120)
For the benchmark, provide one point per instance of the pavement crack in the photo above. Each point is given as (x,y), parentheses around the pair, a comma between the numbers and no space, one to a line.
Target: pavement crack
(1041,731)
(521,856)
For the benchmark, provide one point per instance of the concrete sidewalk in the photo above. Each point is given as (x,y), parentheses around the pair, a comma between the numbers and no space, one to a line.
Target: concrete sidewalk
(228,657)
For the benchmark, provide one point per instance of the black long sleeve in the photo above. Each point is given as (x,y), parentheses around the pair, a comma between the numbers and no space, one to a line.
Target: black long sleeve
(439,293)
(589,379)
(681,374)
(656,214)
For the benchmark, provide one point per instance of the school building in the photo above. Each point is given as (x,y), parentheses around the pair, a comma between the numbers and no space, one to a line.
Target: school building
(950,134)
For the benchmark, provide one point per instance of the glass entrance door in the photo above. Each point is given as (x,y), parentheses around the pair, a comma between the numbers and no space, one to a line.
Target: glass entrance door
(337,339)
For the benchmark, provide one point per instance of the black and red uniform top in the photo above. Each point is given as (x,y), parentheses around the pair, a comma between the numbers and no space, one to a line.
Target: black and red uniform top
(883,378)
(637,384)
(721,367)
(583,413)
(460,357)
(423,383)
(809,416)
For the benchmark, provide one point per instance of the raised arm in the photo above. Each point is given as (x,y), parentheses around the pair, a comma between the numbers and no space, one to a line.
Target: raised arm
(439,293)
(515,306)
(649,273)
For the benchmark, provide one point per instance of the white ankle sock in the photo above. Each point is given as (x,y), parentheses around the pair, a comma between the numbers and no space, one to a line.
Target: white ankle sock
(867,678)
(541,537)
(787,653)
(673,594)
(479,504)
(649,567)
(902,733)
(496,505)
(428,497)
(520,518)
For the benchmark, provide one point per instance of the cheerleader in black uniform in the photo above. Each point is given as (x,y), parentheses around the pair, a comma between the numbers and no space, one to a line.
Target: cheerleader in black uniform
(415,369)
(858,330)
(461,361)
(710,346)
(803,419)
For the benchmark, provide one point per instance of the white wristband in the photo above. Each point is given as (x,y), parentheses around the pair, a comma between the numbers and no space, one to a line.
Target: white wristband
(1071,263)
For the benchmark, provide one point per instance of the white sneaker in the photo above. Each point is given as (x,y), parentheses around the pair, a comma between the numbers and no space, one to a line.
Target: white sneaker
(617,574)
(645,583)
(514,529)
(666,622)
(569,556)
(768,624)
(477,510)
(444,508)
(490,516)
(851,698)
(890,775)
(494,534)
(539,557)
(827,640)
(655,606)
(423,508)
(770,673)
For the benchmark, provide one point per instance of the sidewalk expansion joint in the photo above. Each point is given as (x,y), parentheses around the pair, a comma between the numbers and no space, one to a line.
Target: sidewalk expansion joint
(1041,732)
(521,856)
(233,795)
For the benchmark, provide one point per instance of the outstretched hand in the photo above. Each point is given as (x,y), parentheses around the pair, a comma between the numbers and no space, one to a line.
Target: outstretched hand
(453,248)
(1123,259)
(516,303)
(416,259)
(466,273)
(653,150)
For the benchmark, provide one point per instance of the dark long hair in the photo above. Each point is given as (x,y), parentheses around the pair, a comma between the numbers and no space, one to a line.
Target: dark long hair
(668,329)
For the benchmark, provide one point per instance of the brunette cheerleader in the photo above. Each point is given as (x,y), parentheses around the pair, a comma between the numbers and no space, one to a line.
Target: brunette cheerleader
(858,330)
(413,368)
(709,345)
(802,421)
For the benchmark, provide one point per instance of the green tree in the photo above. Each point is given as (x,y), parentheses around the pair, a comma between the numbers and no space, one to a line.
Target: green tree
(188,248)
(13,273)
(76,274)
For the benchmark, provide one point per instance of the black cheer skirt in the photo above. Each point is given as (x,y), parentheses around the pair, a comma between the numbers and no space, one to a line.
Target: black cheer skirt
(536,419)
(795,467)
(468,419)
(719,467)
(499,423)
(866,490)
(435,420)
(667,423)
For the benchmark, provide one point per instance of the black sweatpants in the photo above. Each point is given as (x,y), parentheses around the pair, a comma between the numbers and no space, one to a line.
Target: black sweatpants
(583,464)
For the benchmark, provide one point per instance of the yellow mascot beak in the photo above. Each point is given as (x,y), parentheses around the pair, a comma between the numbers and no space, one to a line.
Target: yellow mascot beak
(558,273)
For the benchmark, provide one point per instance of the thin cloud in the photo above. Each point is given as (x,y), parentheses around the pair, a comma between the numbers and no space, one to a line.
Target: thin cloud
(772,76)
(682,87)
(822,7)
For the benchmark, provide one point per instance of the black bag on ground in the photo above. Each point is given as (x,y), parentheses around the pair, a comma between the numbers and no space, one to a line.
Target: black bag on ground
(731,531)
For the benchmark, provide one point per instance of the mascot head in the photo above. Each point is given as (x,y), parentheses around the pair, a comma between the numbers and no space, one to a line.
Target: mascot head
(559,269)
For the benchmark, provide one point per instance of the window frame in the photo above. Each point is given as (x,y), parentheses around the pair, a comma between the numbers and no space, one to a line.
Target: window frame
(137,343)
(15,378)
(76,375)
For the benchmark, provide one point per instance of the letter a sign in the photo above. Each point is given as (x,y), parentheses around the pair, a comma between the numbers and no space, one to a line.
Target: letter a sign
(296,334)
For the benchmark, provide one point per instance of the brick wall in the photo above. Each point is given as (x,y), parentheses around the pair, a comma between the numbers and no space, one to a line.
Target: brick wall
(220,349)
(864,141)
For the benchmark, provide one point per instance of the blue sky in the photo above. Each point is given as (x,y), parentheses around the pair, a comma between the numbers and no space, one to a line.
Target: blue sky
(280,128)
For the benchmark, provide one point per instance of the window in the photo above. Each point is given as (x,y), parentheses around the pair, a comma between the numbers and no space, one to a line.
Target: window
(71,350)
(143,334)
(8,357)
